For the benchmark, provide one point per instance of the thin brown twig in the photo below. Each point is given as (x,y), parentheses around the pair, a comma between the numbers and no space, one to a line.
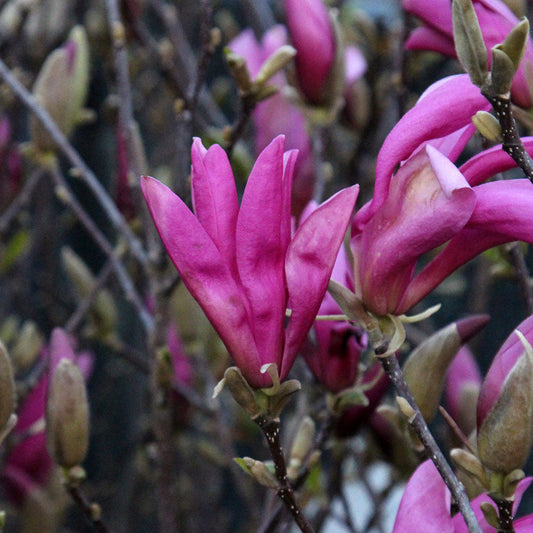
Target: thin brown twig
(123,277)
(84,173)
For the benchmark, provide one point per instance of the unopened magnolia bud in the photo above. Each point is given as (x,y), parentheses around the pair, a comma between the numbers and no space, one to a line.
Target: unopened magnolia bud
(506,433)
(469,44)
(490,514)
(470,464)
(302,445)
(488,126)
(261,473)
(7,388)
(67,416)
(274,63)
(425,368)
(61,87)
(27,346)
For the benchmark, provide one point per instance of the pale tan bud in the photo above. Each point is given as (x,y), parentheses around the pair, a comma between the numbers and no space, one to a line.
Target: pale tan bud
(61,88)
(469,44)
(27,347)
(490,514)
(67,416)
(241,391)
(239,71)
(470,464)
(502,72)
(515,43)
(488,126)
(505,436)
(7,388)
(261,473)
(301,446)
(274,63)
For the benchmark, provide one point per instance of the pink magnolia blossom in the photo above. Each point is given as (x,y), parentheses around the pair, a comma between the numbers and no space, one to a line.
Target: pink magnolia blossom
(242,265)
(425,506)
(496,21)
(313,37)
(28,463)
(428,202)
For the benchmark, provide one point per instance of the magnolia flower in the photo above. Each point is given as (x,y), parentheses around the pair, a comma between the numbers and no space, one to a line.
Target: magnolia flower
(28,464)
(428,202)
(425,506)
(496,21)
(241,265)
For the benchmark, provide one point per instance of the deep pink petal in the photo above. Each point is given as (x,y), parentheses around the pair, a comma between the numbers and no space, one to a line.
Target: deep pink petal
(430,39)
(490,162)
(261,248)
(214,198)
(59,348)
(310,259)
(437,13)
(205,273)
(502,214)
(425,504)
(436,115)
(428,203)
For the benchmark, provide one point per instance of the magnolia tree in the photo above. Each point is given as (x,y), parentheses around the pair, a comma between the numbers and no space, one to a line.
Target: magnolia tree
(257,337)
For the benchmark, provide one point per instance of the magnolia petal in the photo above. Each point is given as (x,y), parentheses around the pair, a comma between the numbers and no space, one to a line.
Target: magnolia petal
(424,38)
(502,214)
(214,197)
(491,162)
(261,248)
(425,505)
(308,266)
(205,273)
(428,203)
(438,114)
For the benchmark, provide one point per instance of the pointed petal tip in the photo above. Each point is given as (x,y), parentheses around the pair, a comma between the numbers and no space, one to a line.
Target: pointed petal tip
(470,326)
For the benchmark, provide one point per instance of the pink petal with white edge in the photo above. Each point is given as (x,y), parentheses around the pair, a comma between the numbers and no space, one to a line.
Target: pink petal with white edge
(214,198)
(261,236)
(309,263)
(205,273)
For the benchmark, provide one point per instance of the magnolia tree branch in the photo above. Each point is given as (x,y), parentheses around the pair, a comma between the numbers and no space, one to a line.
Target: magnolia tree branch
(83,172)
(285,492)
(505,515)
(511,141)
(417,422)
(90,510)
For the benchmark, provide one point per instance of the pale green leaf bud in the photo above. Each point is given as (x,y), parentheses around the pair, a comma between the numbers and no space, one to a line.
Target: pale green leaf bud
(67,416)
(515,43)
(469,44)
(241,391)
(488,126)
(470,464)
(261,473)
(490,514)
(7,388)
(505,436)
(301,446)
(502,72)
(406,408)
(239,70)
(274,63)
(511,481)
